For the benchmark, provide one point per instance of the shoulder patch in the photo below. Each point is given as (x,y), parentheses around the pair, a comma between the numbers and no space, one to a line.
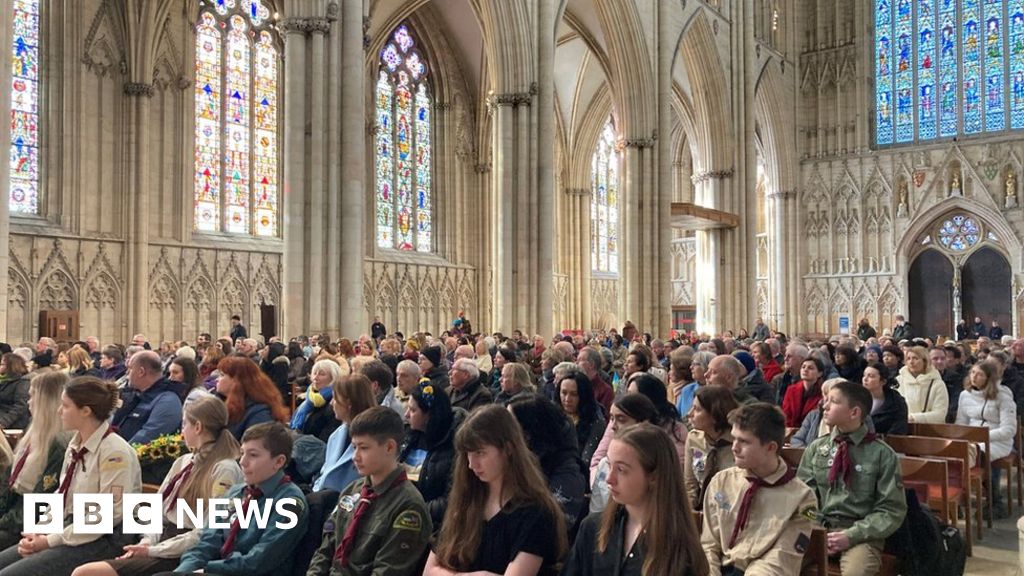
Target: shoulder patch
(810,513)
(115,462)
(802,542)
(49,482)
(408,520)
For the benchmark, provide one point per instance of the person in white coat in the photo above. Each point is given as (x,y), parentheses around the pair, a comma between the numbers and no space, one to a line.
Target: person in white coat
(985,402)
(921,386)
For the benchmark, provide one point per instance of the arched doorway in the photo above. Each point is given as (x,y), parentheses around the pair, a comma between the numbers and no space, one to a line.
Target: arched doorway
(987,289)
(959,271)
(931,294)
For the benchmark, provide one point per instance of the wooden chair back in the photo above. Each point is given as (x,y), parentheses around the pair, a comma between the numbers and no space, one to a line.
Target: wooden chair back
(927,471)
(792,456)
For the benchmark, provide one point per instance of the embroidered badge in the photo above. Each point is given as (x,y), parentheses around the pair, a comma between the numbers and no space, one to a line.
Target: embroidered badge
(858,468)
(721,502)
(348,503)
(49,482)
(329,527)
(810,513)
(698,461)
(823,450)
(408,520)
(802,542)
(113,463)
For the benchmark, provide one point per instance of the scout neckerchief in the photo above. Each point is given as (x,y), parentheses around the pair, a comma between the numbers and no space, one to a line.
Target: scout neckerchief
(251,493)
(78,456)
(842,463)
(18,466)
(366,497)
(756,483)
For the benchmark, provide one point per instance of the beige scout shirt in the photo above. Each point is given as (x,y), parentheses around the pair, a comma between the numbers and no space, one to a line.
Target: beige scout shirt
(109,467)
(224,475)
(699,465)
(778,527)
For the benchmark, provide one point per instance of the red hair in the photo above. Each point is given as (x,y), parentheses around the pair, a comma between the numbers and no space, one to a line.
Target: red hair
(253,385)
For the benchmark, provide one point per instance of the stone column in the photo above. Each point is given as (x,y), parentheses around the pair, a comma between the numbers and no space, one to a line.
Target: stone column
(667,46)
(332,154)
(295,295)
(545,169)
(137,129)
(320,226)
(353,167)
(785,270)
(502,210)
(6,12)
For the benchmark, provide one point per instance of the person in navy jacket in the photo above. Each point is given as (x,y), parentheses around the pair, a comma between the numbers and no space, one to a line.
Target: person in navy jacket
(151,405)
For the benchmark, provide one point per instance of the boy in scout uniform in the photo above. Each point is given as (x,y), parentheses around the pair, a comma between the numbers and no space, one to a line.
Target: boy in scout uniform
(857,481)
(381,524)
(757,515)
(236,551)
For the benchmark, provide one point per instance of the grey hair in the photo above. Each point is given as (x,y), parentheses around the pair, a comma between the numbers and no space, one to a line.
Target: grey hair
(703,358)
(467,365)
(565,369)
(408,366)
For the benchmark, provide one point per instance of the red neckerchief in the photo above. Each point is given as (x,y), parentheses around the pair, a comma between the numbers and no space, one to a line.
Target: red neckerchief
(842,463)
(366,497)
(251,493)
(756,484)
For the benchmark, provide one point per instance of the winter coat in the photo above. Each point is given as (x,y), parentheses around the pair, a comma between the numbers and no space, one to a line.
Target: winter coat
(799,402)
(996,333)
(438,378)
(891,416)
(435,477)
(589,434)
(999,415)
(755,385)
(277,371)
(865,331)
(14,403)
(926,395)
(472,395)
(902,332)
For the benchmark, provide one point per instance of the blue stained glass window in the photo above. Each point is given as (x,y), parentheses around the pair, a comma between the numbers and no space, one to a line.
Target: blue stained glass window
(926,70)
(1016,55)
(945,68)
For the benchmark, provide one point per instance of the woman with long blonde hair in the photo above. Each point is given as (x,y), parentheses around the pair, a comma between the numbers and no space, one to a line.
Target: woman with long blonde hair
(500,515)
(648,528)
(35,465)
(207,471)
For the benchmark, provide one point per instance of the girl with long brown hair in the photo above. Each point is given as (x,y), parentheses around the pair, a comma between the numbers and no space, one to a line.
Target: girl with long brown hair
(500,515)
(207,471)
(249,394)
(648,528)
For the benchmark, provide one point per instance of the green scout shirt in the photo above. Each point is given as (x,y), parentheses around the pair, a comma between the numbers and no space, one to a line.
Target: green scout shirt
(256,552)
(392,536)
(11,508)
(874,505)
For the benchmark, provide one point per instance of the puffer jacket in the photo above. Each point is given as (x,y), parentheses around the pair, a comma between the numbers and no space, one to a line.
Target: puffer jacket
(926,395)
(436,472)
(14,403)
(999,415)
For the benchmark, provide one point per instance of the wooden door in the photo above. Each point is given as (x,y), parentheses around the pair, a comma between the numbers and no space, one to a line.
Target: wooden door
(987,289)
(61,325)
(931,294)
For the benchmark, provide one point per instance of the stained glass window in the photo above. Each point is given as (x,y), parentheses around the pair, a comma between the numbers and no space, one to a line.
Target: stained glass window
(959,232)
(604,204)
(24,178)
(945,68)
(403,147)
(236,131)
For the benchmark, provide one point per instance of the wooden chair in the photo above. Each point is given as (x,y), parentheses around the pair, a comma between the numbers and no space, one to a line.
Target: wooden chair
(792,456)
(979,435)
(1008,463)
(927,472)
(959,476)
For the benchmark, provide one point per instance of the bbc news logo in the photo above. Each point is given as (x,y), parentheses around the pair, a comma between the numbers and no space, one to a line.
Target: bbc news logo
(143,513)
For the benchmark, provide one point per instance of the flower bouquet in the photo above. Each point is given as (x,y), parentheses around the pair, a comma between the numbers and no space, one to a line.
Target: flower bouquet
(156,457)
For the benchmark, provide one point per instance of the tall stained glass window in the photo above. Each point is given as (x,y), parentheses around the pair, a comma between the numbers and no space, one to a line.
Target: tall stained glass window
(604,204)
(403,147)
(236,130)
(945,68)
(24,178)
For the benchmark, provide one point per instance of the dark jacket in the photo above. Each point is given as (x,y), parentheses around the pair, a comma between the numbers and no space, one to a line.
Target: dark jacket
(754,385)
(854,371)
(254,414)
(589,434)
(978,330)
(14,403)
(961,332)
(277,370)
(144,416)
(996,333)
(114,373)
(904,332)
(891,417)
(865,331)
(566,475)
(953,378)
(472,395)
(438,378)
(377,331)
(321,423)
(238,332)
(436,472)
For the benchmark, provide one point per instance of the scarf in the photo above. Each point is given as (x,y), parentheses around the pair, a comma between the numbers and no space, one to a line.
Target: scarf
(314,399)
(77,457)
(366,497)
(251,493)
(756,484)
(842,463)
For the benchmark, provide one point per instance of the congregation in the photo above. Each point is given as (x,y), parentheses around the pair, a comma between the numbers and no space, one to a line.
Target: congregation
(605,452)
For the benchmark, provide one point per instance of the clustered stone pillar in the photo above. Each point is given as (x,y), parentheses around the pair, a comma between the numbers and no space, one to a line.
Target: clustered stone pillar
(353,167)
(295,294)
(137,174)
(6,11)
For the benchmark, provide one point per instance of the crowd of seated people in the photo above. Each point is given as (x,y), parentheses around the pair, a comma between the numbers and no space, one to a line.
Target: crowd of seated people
(603,452)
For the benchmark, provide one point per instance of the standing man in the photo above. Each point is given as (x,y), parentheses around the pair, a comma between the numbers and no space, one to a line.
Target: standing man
(377,329)
(902,330)
(978,330)
(996,333)
(865,330)
(952,377)
(237,330)
(761,332)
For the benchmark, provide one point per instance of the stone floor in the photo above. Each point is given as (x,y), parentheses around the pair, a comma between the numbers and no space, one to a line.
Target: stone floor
(997,554)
